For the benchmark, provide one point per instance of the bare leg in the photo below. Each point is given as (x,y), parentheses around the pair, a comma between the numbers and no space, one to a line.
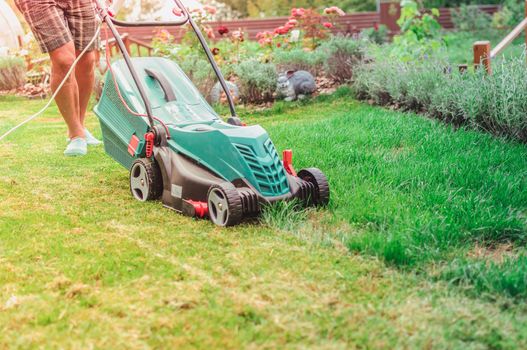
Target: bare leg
(68,98)
(85,76)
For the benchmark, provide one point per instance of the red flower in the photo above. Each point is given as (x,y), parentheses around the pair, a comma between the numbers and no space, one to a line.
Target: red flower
(282,30)
(328,25)
(279,45)
(223,30)
(215,51)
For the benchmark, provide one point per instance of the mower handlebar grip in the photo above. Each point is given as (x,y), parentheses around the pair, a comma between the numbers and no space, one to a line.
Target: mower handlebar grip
(183,21)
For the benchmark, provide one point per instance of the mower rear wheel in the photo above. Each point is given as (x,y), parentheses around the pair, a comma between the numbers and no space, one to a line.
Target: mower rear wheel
(225,204)
(320,181)
(146,181)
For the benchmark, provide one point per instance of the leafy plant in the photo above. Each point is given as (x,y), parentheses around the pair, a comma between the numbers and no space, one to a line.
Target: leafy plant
(420,32)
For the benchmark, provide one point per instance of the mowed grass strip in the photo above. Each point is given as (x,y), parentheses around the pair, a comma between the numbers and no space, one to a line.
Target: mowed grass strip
(84,265)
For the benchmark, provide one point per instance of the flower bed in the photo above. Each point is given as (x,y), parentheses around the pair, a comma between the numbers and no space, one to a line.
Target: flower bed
(304,42)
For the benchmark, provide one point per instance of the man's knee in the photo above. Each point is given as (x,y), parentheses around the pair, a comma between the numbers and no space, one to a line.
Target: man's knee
(62,64)
(87,62)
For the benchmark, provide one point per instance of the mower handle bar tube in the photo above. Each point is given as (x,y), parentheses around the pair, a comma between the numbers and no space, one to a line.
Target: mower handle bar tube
(187,18)
(106,18)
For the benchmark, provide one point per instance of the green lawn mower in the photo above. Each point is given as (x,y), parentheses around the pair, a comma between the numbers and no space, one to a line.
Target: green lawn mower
(157,124)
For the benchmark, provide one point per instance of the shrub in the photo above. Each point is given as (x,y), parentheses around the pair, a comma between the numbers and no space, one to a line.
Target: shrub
(299,59)
(470,18)
(12,73)
(257,80)
(377,35)
(496,103)
(512,13)
(342,54)
(199,70)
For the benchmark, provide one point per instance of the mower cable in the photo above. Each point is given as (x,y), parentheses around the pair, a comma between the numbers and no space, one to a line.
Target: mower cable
(72,68)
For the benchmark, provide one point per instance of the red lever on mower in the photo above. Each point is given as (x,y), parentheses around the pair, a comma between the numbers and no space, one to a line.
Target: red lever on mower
(149,138)
(288,162)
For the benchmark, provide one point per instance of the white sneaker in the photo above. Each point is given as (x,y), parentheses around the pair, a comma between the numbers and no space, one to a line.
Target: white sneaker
(90,139)
(76,147)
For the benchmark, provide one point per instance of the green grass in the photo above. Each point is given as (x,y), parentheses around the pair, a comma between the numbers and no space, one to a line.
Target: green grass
(460,44)
(508,277)
(84,265)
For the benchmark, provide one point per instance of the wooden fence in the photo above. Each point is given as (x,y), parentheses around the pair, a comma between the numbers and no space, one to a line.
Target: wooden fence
(348,24)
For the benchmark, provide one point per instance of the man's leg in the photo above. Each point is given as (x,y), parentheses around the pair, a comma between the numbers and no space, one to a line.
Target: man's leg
(68,98)
(85,76)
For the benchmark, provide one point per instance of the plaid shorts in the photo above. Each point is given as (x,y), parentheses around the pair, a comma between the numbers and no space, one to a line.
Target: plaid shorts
(57,22)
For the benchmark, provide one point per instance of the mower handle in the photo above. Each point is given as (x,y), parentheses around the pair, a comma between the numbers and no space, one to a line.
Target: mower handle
(120,23)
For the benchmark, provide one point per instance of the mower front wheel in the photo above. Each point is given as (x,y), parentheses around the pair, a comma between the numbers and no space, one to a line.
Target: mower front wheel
(320,182)
(146,181)
(225,205)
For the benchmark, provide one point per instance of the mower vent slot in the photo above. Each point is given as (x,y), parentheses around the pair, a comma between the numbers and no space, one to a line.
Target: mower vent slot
(270,177)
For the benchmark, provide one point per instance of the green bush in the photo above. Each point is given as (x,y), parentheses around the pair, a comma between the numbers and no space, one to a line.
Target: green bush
(341,55)
(375,35)
(508,278)
(257,81)
(299,59)
(457,3)
(469,18)
(510,15)
(199,70)
(496,103)
(12,73)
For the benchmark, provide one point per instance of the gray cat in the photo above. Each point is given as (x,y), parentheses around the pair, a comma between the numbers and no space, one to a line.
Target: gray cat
(295,85)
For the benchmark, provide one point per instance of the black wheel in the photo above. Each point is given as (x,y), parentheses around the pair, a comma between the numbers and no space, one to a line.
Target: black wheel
(146,181)
(319,180)
(225,204)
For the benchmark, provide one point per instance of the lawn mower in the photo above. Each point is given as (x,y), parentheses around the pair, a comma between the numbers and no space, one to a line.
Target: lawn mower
(156,123)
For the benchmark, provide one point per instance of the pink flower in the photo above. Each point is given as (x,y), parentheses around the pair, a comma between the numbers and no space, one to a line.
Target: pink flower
(292,22)
(238,35)
(298,12)
(210,9)
(177,11)
(334,10)
(328,25)
(210,33)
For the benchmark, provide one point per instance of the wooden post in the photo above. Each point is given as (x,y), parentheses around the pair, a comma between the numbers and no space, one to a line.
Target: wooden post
(482,55)
(389,14)
(126,42)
